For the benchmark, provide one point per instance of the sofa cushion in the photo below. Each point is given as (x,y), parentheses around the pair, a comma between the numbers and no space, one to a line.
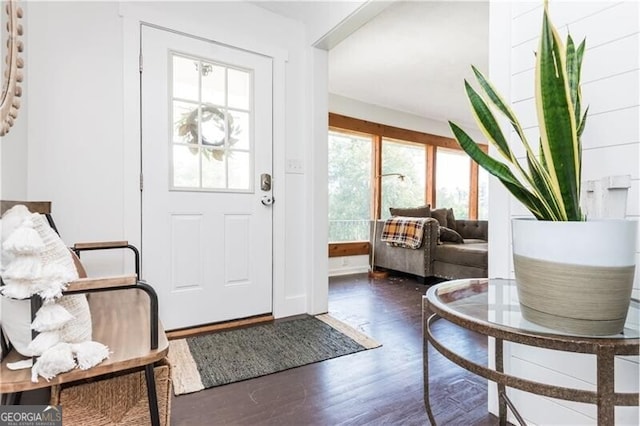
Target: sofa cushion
(474,241)
(473,229)
(468,254)
(448,234)
(422,211)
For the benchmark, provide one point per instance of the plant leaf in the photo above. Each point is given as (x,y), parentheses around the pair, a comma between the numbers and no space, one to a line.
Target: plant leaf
(502,106)
(500,171)
(542,189)
(583,121)
(540,183)
(556,116)
(574,69)
(499,103)
(487,121)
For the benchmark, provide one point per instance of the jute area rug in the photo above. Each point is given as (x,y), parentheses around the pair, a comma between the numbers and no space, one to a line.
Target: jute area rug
(224,357)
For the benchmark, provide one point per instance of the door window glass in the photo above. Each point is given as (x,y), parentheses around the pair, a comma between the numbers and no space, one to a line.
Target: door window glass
(212,131)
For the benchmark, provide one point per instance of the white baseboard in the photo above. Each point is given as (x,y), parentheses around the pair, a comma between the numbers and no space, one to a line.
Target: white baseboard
(347,265)
(348,270)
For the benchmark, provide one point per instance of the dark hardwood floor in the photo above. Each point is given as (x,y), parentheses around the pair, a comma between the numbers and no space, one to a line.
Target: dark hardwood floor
(374,387)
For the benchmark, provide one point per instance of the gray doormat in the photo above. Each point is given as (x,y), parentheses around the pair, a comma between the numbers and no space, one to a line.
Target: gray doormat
(224,357)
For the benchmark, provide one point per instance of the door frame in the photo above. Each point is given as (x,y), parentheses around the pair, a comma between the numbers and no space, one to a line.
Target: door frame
(135,15)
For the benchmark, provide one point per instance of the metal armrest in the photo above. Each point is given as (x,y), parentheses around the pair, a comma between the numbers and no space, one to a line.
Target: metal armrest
(108,245)
(122,282)
(95,245)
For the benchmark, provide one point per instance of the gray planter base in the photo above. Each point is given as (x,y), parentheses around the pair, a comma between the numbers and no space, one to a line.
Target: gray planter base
(573,325)
(575,299)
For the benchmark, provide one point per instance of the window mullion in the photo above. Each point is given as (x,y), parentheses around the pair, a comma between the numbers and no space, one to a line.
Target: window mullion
(473,191)
(430,184)
(376,179)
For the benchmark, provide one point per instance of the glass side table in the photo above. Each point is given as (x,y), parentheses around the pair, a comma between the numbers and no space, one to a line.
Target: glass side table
(490,307)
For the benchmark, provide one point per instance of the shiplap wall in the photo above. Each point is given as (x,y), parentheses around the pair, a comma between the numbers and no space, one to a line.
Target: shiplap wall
(611,142)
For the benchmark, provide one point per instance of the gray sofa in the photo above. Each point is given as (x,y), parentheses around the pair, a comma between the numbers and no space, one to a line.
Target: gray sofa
(438,259)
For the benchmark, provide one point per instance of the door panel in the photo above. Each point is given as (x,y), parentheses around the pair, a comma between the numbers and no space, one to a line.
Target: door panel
(206,139)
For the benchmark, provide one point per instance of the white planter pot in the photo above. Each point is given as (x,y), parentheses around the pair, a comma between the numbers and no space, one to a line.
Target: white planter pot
(575,277)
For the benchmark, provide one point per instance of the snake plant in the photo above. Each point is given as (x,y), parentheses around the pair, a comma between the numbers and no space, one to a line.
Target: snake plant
(549,185)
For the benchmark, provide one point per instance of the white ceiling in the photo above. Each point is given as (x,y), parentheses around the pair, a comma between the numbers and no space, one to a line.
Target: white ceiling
(412,57)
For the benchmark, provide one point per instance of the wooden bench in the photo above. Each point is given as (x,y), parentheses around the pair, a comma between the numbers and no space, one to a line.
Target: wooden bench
(124,314)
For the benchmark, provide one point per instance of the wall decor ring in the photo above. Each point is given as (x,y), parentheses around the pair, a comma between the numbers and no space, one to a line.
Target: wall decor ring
(13,75)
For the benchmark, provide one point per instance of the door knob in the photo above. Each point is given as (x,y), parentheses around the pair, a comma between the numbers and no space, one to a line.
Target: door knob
(267,200)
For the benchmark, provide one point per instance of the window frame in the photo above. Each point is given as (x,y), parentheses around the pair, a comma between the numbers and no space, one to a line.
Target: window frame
(378,132)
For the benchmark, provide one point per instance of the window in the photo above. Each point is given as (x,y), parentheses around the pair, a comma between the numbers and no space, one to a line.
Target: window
(483,192)
(408,159)
(453,172)
(365,160)
(211,116)
(349,187)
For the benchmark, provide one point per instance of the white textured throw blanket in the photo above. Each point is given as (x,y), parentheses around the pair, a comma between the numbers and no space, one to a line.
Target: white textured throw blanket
(36,261)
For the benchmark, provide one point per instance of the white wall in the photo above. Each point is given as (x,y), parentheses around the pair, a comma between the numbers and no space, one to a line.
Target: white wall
(75,120)
(83,127)
(13,157)
(611,141)
(348,265)
(378,114)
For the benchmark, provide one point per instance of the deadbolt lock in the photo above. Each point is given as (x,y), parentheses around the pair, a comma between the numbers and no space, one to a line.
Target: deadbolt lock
(265,182)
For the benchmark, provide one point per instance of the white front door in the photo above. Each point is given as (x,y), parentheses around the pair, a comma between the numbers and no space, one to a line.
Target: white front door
(206,168)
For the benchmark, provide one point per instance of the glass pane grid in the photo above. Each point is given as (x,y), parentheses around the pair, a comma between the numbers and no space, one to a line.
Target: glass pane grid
(212,121)
(408,159)
(350,173)
(453,175)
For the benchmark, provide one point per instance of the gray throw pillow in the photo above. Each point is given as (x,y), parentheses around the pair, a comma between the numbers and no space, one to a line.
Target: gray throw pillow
(440,215)
(422,211)
(451,220)
(449,235)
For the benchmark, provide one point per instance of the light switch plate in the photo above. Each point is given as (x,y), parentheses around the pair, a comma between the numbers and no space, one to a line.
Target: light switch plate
(294,165)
